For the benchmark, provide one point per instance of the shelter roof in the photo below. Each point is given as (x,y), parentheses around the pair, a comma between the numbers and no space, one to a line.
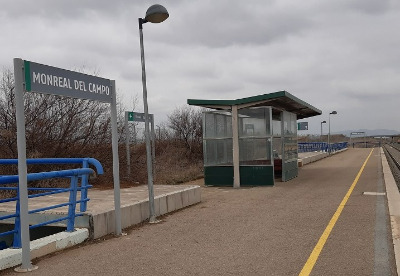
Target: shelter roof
(282,100)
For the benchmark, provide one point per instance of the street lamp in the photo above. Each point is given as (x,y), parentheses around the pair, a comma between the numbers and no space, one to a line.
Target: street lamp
(323,122)
(154,14)
(329,133)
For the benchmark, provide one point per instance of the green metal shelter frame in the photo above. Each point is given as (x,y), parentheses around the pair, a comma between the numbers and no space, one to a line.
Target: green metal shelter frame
(251,139)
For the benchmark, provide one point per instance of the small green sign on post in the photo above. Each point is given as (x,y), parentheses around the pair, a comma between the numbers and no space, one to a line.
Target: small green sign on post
(302,126)
(130,116)
(137,117)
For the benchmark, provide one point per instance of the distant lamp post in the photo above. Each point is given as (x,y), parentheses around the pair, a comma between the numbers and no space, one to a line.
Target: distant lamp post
(323,122)
(329,133)
(154,14)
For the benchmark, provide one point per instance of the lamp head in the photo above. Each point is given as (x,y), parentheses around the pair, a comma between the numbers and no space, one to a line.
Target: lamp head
(156,14)
(333,112)
(323,122)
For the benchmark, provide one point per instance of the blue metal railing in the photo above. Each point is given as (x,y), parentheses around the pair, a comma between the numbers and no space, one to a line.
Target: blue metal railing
(73,174)
(338,146)
(314,146)
(321,146)
(68,161)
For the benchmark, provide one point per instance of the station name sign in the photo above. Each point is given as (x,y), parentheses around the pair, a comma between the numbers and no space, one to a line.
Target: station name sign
(51,80)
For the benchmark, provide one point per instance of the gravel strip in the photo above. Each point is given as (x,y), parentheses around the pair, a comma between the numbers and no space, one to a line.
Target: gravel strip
(394,150)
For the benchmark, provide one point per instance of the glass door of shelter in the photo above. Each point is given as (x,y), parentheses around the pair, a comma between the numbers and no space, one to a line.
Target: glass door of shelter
(255,146)
(289,146)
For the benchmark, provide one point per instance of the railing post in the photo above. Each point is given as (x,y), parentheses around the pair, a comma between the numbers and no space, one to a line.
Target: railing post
(17,225)
(84,187)
(72,204)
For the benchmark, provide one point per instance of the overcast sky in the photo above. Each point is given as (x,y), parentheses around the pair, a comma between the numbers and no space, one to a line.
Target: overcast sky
(341,55)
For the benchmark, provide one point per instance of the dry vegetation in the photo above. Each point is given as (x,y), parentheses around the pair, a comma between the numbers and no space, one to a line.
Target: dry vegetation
(62,127)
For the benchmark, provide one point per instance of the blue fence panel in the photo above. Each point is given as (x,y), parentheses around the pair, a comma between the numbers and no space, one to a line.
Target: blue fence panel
(73,174)
(338,146)
(312,146)
(321,146)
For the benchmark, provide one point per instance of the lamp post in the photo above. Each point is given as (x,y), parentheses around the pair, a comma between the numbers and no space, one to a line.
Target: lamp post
(323,122)
(329,133)
(154,14)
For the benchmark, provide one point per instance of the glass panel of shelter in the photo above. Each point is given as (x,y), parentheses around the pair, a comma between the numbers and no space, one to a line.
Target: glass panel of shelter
(217,138)
(255,136)
(289,146)
(266,135)
(284,146)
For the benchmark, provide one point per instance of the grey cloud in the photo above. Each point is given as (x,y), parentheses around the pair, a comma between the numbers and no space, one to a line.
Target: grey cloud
(369,6)
(336,55)
(221,24)
(49,9)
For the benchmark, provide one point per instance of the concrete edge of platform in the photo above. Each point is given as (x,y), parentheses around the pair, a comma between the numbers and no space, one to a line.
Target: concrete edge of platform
(137,212)
(310,159)
(393,197)
(339,151)
(104,224)
(316,157)
(43,246)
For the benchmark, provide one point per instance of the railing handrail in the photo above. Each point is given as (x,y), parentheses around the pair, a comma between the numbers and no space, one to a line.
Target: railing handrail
(74,174)
(9,179)
(36,161)
(86,161)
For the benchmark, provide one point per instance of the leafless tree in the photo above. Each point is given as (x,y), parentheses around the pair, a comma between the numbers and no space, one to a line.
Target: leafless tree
(55,126)
(186,123)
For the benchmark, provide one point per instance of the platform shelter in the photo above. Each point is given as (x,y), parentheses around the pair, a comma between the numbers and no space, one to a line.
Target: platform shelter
(250,141)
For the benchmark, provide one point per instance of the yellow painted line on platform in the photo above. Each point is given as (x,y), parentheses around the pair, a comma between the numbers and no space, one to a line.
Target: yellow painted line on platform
(312,259)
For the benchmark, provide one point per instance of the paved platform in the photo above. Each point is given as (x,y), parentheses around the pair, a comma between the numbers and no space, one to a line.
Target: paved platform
(99,217)
(263,230)
(99,220)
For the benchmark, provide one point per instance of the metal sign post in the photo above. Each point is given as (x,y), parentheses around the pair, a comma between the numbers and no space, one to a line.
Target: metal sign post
(128,154)
(51,80)
(140,117)
(22,168)
(114,133)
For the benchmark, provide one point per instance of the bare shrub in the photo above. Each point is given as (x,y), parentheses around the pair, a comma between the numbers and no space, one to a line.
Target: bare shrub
(65,127)
(186,124)
(56,127)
